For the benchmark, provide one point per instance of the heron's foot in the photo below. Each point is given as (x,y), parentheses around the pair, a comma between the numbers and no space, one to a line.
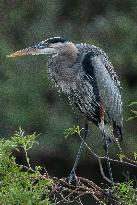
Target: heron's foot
(108,191)
(72,178)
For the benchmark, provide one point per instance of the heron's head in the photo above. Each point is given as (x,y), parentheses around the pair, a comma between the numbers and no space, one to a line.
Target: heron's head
(51,46)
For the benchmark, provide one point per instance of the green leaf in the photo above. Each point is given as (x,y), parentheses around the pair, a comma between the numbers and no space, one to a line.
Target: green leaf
(131,118)
(121,156)
(134,111)
(133,103)
(19,185)
(135,155)
(72,131)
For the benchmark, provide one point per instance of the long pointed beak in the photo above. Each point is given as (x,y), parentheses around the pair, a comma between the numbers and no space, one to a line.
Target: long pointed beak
(24,52)
(34,50)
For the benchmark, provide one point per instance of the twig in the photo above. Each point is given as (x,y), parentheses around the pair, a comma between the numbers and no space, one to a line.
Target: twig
(27,158)
(130,160)
(113,160)
(102,172)
(70,193)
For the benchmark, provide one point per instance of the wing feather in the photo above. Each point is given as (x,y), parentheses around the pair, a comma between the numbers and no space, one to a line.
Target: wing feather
(108,90)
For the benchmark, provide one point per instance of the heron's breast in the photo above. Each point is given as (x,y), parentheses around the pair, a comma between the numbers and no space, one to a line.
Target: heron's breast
(65,75)
(64,78)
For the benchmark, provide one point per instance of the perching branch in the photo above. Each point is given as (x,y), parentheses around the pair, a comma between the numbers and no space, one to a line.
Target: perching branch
(63,192)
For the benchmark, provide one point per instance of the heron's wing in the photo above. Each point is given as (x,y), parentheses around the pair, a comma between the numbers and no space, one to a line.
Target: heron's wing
(108,65)
(108,90)
(106,62)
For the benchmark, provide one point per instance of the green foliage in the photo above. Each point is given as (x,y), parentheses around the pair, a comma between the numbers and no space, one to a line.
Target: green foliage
(72,131)
(134,112)
(133,103)
(16,185)
(121,156)
(135,156)
(127,193)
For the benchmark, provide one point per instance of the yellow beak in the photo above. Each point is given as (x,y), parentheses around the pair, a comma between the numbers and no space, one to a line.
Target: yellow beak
(24,52)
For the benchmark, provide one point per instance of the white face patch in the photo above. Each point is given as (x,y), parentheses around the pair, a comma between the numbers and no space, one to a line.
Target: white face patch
(48,51)
(58,45)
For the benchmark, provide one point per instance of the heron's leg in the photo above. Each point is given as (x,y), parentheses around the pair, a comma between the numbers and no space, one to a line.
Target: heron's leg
(106,142)
(72,177)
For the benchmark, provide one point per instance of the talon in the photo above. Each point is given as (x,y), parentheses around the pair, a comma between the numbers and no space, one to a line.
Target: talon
(72,179)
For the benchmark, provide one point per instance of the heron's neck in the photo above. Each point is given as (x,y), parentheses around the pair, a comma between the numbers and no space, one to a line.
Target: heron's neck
(61,65)
(69,54)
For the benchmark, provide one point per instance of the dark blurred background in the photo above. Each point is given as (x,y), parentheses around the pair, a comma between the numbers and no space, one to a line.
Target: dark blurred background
(28,99)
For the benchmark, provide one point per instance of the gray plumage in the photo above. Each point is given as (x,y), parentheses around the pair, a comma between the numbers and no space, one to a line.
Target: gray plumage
(90,82)
(86,75)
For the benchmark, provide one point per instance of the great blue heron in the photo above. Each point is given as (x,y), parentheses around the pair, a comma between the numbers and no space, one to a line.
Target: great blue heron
(85,73)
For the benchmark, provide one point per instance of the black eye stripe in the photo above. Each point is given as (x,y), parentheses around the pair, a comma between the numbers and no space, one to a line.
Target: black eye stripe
(41,45)
(55,40)
(50,41)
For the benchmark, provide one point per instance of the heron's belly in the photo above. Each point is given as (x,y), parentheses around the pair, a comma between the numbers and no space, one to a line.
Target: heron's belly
(78,89)
(84,99)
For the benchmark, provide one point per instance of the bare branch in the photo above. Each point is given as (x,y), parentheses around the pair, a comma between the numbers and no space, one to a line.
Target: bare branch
(67,193)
